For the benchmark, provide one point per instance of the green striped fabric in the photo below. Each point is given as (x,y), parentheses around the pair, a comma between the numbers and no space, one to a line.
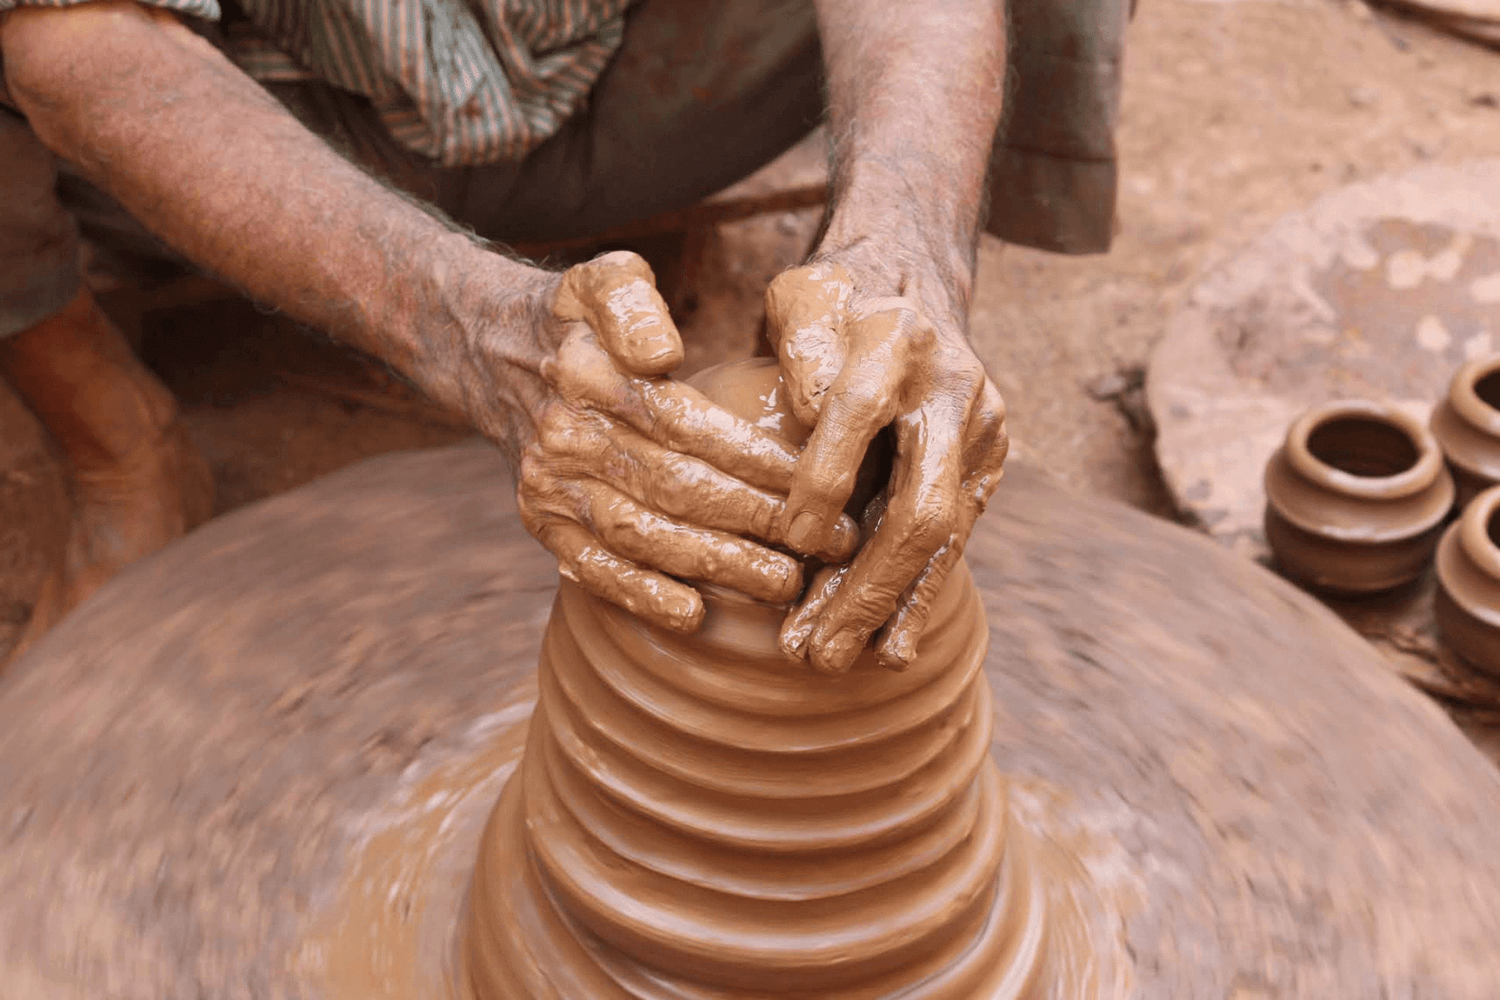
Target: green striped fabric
(464,83)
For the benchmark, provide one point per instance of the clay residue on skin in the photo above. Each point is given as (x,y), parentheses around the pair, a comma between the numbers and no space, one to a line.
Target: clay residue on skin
(854,367)
(641,485)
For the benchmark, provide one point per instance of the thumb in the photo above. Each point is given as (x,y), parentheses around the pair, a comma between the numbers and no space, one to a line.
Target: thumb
(806,309)
(615,294)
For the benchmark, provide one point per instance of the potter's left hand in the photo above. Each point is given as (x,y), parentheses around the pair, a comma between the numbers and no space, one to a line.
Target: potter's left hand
(857,361)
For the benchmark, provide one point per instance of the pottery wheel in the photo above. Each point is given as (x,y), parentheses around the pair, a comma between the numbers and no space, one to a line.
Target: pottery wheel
(257,764)
(1378,290)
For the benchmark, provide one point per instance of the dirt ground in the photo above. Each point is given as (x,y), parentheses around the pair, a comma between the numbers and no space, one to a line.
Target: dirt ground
(1235,111)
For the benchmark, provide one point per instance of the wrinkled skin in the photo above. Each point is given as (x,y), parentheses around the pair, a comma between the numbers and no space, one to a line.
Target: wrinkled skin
(568,372)
(856,363)
(624,476)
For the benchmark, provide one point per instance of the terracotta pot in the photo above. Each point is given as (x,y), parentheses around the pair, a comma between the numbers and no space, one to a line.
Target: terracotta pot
(1355,498)
(1466,423)
(1467,603)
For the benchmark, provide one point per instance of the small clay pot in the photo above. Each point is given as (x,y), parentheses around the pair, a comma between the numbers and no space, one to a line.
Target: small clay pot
(1466,606)
(1466,423)
(1355,498)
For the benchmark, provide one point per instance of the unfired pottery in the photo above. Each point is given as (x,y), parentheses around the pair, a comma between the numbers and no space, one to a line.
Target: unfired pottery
(1467,603)
(1355,498)
(1466,423)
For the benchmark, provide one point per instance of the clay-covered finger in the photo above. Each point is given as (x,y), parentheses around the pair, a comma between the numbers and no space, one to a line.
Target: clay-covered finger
(648,595)
(647,537)
(806,309)
(798,627)
(615,294)
(865,398)
(692,491)
(897,646)
(671,413)
(925,507)
(986,443)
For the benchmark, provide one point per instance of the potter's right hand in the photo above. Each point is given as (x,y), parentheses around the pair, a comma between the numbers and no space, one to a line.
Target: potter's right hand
(633,480)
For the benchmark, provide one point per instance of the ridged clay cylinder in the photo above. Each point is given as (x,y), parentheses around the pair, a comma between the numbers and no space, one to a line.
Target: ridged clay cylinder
(1466,423)
(702,818)
(1466,606)
(1355,498)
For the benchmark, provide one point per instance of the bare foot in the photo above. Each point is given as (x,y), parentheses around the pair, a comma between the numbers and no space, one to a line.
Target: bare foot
(128,509)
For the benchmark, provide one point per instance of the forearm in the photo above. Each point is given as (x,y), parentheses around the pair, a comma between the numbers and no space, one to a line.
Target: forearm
(204,158)
(915,94)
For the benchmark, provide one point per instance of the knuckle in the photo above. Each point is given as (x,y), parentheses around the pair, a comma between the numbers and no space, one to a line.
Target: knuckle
(624,526)
(536,477)
(931,525)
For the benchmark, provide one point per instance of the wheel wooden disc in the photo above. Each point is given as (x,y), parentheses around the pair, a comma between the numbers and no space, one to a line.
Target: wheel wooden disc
(258,763)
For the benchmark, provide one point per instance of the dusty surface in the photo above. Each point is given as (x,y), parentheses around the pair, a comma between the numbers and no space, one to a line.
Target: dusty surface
(1379,291)
(192,765)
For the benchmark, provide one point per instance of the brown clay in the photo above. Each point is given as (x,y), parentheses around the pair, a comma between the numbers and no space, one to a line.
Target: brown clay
(1355,498)
(1466,424)
(1466,605)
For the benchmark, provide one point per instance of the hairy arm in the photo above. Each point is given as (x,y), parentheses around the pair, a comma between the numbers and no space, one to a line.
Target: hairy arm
(873,331)
(914,99)
(621,473)
(222,173)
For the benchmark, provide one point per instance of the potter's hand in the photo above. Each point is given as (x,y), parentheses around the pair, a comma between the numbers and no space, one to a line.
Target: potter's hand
(632,479)
(856,363)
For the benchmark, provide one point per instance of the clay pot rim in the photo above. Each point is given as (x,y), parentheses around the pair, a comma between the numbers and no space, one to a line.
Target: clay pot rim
(1467,402)
(1474,533)
(1419,476)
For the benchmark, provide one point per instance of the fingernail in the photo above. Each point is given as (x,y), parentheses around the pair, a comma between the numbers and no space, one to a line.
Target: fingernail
(805,529)
(845,539)
(793,638)
(838,654)
(785,578)
(897,652)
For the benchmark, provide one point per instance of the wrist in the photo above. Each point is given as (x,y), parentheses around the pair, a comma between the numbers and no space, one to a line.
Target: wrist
(894,254)
(493,330)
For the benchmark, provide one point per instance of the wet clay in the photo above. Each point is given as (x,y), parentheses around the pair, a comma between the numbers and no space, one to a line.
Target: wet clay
(1466,424)
(1355,498)
(857,366)
(1466,605)
(706,815)
(205,770)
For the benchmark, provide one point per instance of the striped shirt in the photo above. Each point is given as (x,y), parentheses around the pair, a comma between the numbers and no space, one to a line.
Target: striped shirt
(463,82)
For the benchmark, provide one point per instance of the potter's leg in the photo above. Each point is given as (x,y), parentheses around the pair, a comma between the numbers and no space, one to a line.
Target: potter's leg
(699,96)
(137,482)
